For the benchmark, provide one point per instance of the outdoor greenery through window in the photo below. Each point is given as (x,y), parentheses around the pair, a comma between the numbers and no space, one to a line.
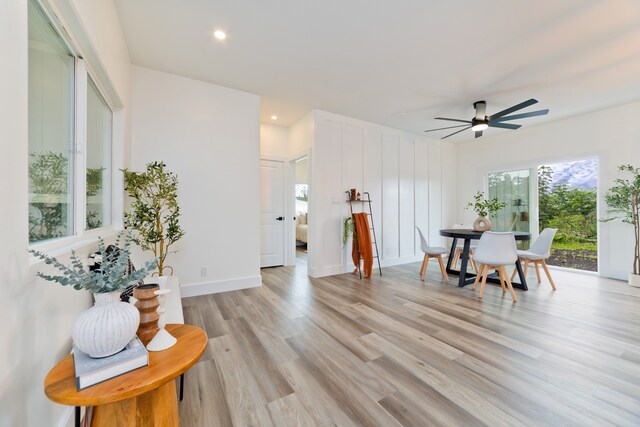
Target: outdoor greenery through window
(63,103)
(567,197)
(51,130)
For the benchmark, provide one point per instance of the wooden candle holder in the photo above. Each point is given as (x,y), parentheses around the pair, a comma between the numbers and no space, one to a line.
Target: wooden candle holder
(147,303)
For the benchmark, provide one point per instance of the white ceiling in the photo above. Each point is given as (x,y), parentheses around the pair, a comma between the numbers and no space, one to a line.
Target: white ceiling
(398,63)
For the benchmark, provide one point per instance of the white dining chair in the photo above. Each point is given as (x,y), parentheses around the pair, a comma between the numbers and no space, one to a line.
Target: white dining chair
(431,252)
(494,252)
(460,248)
(537,255)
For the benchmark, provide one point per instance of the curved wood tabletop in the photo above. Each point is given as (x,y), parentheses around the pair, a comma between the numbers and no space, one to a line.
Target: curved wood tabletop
(460,233)
(164,366)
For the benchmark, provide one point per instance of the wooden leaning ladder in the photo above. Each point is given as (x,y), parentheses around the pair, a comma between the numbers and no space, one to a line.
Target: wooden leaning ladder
(374,241)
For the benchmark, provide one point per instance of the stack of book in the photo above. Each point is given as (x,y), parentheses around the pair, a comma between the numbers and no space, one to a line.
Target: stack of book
(90,371)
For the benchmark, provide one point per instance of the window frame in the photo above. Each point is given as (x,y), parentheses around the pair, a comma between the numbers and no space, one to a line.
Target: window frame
(83,71)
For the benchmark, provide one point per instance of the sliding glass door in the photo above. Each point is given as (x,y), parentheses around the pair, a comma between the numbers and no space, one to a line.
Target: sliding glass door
(514,189)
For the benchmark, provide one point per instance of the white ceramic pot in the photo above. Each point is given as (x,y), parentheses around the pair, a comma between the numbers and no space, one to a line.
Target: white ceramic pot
(482,223)
(634,280)
(107,327)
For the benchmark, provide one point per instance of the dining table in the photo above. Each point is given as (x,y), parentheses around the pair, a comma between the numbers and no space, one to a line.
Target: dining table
(467,278)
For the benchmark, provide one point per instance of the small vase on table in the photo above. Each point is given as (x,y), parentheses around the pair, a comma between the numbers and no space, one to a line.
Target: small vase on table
(163,339)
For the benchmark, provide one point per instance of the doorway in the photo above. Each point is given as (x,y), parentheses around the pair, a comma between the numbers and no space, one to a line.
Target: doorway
(301,197)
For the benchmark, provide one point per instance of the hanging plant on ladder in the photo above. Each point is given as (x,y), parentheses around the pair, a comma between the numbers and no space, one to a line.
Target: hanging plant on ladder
(154,212)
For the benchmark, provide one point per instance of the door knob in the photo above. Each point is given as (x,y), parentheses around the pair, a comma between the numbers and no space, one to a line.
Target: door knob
(280,218)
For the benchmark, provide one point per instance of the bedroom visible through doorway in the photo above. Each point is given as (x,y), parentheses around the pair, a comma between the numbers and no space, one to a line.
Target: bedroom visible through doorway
(301,195)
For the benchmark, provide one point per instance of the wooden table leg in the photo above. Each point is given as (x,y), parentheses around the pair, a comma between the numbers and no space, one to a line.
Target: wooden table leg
(155,408)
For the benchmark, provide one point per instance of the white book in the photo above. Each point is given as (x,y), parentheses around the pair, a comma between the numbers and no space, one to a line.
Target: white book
(90,371)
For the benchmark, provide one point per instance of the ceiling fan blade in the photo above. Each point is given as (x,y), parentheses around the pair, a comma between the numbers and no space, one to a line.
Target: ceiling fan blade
(522,116)
(503,125)
(454,120)
(481,109)
(514,108)
(448,127)
(478,133)
(451,134)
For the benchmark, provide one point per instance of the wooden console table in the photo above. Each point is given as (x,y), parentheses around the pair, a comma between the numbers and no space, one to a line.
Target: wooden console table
(144,397)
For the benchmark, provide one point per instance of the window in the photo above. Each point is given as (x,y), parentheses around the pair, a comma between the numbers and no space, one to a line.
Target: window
(98,185)
(70,138)
(51,130)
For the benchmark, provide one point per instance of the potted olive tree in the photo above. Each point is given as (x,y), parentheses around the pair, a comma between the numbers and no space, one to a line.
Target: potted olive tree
(623,202)
(484,207)
(109,325)
(154,213)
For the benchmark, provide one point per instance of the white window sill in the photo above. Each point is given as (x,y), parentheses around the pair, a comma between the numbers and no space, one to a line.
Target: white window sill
(65,245)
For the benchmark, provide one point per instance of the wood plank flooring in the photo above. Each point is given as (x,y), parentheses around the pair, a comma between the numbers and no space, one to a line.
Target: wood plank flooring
(396,351)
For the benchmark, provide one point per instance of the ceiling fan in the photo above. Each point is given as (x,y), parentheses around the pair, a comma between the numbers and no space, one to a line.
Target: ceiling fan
(481,121)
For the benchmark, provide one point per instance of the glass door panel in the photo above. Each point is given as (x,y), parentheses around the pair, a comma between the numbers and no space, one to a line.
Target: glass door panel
(514,189)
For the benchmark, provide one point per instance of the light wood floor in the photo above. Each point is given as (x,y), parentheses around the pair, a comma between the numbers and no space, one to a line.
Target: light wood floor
(397,351)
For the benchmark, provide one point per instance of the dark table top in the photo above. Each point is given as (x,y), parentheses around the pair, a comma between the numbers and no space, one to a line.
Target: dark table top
(472,234)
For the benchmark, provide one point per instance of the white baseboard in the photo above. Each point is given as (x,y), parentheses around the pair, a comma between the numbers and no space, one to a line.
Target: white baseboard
(205,288)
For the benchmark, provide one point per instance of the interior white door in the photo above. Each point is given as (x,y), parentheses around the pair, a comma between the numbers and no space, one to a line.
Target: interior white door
(271,213)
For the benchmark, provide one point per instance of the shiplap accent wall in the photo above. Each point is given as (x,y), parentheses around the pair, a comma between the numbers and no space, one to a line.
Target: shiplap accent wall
(410,178)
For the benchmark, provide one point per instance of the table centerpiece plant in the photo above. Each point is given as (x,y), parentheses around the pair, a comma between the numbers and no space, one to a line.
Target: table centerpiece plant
(108,326)
(623,203)
(484,208)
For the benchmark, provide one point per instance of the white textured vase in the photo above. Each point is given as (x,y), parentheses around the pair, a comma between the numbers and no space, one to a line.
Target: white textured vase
(107,327)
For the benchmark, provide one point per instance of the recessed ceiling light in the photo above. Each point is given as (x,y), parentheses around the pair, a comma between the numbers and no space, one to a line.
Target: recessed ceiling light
(219,34)
(274,117)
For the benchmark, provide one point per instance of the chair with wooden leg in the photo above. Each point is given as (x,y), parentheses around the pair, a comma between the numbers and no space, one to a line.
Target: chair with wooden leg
(494,252)
(538,253)
(435,252)
(460,248)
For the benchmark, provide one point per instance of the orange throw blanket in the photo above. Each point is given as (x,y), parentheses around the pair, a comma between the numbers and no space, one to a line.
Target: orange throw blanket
(363,245)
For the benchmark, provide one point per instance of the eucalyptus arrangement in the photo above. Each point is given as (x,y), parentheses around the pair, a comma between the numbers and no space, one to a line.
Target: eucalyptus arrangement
(485,207)
(154,213)
(111,277)
(109,325)
(623,202)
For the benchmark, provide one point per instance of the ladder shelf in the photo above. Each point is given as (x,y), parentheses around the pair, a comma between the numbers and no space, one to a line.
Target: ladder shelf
(374,241)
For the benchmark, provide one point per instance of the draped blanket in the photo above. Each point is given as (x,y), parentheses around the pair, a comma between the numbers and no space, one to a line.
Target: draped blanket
(362,244)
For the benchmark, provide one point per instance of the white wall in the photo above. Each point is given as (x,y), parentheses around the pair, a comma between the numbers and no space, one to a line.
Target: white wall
(409,182)
(274,140)
(301,136)
(301,171)
(37,316)
(210,137)
(611,135)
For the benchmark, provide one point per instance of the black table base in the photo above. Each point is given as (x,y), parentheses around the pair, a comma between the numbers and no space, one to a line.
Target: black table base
(466,278)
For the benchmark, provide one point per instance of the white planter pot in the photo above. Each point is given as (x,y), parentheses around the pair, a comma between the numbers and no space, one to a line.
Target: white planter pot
(107,327)
(634,280)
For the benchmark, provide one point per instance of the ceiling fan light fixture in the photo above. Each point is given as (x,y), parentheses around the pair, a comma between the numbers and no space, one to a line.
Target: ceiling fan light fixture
(480,126)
